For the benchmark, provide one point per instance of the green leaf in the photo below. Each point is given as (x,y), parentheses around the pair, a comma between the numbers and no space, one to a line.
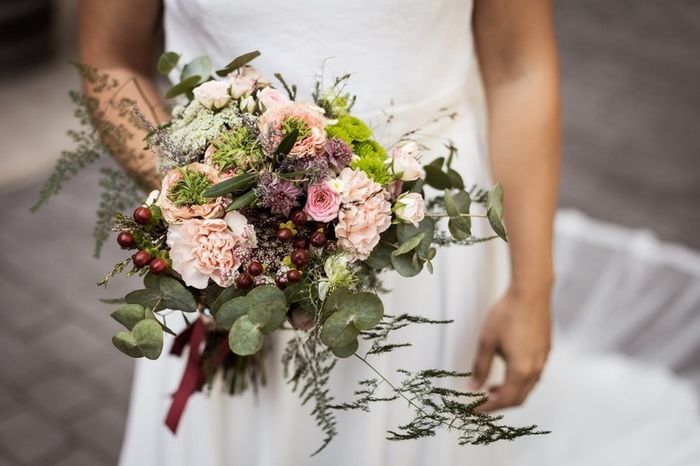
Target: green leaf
(238,62)
(365,309)
(380,256)
(267,307)
(406,266)
(450,204)
(124,341)
(226,295)
(237,183)
(437,163)
(455,179)
(200,67)
(176,296)
(409,245)
(151,281)
(494,211)
(231,311)
(245,337)
(244,200)
(406,231)
(149,338)
(437,178)
(332,302)
(287,143)
(167,62)
(147,298)
(347,350)
(459,228)
(129,315)
(183,87)
(338,330)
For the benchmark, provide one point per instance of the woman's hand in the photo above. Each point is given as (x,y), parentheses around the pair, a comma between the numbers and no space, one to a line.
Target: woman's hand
(518,329)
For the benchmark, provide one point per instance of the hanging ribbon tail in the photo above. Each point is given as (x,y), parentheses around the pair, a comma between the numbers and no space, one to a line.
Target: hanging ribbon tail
(193,378)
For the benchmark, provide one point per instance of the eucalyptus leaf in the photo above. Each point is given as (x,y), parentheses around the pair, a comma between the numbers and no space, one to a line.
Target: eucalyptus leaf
(347,350)
(380,257)
(226,295)
(405,265)
(459,228)
(365,309)
(231,311)
(437,178)
(167,62)
(332,302)
(244,200)
(183,87)
(405,231)
(129,315)
(176,296)
(455,178)
(200,67)
(267,307)
(238,62)
(149,338)
(409,245)
(237,183)
(494,211)
(338,330)
(124,341)
(147,298)
(245,337)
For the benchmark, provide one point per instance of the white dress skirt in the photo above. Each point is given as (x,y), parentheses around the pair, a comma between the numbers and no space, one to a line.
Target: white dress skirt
(412,61)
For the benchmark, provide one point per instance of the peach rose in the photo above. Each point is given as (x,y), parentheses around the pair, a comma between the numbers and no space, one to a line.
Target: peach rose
(173,213)
(271,98)
(212,94)
(364,214)
(210,248)
(272,120)
(404,162)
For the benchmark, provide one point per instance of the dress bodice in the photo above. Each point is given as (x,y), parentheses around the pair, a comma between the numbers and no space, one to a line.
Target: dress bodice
(398,51)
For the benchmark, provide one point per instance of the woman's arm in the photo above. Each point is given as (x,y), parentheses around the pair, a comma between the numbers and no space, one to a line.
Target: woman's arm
(119,37)
(516,47)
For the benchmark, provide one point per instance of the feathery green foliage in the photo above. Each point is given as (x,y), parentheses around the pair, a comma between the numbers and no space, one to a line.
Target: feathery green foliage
(119,194)
(238,148)
(189,190)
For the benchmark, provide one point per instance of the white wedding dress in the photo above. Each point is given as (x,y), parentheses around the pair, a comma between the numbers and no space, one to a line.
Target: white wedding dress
(411,60)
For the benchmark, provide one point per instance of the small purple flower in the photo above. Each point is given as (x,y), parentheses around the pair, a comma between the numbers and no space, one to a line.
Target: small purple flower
(339,153)
(277,194)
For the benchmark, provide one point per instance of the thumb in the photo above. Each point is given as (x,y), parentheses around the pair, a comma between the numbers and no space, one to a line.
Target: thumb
(482,363)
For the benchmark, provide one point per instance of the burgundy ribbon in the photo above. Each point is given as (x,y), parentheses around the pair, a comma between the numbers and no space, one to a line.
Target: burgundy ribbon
(193,378)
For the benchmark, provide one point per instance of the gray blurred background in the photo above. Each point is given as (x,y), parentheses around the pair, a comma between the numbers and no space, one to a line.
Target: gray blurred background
(631,88)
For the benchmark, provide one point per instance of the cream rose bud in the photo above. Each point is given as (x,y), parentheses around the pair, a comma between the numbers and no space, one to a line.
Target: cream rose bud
(247,104)
(212,94)
(410,208)
(404,164)
(410,148)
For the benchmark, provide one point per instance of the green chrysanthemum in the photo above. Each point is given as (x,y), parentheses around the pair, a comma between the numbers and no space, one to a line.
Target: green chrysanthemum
(237,149)
(189,190)
(350,129)
(374,165)
(295,123)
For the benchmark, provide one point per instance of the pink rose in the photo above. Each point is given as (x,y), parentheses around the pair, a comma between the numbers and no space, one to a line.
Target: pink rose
(271,128)
(173,213)
(410,208)
(364,214)
(210,248)
(322,202)
(271,98)
(212,94)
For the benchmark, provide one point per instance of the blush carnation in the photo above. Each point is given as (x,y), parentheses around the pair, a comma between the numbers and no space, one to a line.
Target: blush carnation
(201,249)
(322,202)
(173,213)
(364,214)
(272,123)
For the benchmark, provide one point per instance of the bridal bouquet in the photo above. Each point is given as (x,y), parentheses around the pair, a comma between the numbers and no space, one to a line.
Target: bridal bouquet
(278,215)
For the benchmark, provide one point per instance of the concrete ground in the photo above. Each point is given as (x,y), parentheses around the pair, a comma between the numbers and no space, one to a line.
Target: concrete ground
(631,156)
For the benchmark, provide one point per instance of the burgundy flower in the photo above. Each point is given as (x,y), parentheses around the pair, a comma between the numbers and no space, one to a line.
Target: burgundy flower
(339,153)
(277,194)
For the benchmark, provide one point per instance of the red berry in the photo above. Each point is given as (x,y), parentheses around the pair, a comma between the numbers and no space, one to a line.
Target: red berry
(142,215)
(141,258)
(299,218)
(281,282)
(284,234)
(300,242)
(244,281)
(158,266)
(294,276)
(318,239)
(126,239)
(300,257)
(255,268)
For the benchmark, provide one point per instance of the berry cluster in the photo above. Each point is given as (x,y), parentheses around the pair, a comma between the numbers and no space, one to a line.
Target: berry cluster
(149,255)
